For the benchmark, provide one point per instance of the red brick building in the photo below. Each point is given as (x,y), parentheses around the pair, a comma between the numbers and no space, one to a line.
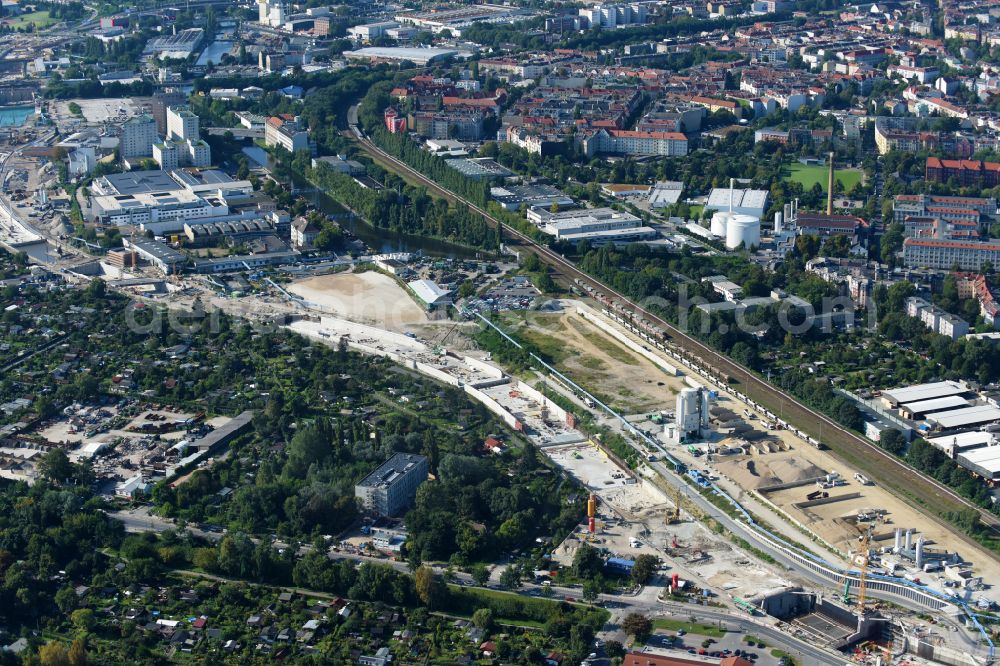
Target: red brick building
(968,173)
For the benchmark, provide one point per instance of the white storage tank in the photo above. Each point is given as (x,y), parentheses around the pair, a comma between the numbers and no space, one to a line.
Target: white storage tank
(743,229)
(720,221)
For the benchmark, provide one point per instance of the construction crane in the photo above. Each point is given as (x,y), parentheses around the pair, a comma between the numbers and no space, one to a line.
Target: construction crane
(861,559)
(674,516)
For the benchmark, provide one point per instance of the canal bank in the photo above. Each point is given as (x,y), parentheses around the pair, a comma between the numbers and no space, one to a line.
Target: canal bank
(379,239)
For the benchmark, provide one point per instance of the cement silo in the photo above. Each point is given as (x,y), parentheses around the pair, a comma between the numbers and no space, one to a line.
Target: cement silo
(742,229)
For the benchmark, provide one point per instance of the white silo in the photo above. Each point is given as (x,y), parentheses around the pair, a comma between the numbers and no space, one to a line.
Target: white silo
(720,221)
(777,222)
(688,413)
(742,229)
(705,410)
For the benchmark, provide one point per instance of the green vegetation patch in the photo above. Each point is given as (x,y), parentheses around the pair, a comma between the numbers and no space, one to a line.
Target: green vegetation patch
(697,628)
(811,175)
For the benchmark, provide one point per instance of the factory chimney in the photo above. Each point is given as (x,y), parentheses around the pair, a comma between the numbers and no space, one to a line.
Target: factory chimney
(829,187)
(732,182)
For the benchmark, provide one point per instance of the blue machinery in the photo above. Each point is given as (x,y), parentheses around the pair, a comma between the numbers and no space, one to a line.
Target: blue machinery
(878,585)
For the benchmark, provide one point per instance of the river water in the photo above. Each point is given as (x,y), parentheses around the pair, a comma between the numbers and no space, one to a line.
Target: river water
(380,240)
(214,52)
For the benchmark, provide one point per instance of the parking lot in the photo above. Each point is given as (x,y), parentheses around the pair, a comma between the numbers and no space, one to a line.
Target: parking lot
(512,293)
(682,643)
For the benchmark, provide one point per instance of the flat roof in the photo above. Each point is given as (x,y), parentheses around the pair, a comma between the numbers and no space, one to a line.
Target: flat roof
(483,166)
(416,55)
(985,461)
(919,392)
(973,439)
(139,182)
(156,250)
(935,404)
(392,469)
(957,418)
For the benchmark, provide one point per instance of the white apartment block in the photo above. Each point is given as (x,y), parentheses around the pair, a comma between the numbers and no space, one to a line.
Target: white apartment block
(946,254)
(624,142)
(182,124)
(286,133)
(137,137)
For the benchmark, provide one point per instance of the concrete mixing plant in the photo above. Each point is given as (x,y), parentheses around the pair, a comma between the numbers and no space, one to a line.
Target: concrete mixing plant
(692,413)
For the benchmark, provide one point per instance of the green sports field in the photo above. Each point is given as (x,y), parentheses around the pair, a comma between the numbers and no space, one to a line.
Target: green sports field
(810,175)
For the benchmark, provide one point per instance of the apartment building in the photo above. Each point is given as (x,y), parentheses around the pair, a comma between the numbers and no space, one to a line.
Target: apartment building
(625,142)
(286,131)
(968,173)
(137,137)
(947,254)
(393,486)
(936,319)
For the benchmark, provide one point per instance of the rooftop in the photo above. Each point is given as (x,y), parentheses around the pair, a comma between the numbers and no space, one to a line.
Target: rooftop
(919,392)
(392,469)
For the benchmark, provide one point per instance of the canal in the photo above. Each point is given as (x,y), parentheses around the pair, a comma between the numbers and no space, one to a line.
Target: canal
(380,240)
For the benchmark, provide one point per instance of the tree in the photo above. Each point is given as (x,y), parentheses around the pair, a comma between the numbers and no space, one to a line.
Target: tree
(591,590)
(429,587)
(892,441)
(53,653)
(483,618)
(77,653)
(645,566)
(55,466)
(480,574)
(637,625)
(96,289)
(84,619)
(614,649)
(510,578)
(587,561)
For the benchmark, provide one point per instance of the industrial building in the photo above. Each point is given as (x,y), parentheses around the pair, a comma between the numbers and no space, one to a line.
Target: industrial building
(418,56)
(430,293)
(597,225)
(454,18)
(693,413)
(479,168)
(168,260)
(152,197)
(985,462)
(532,196)
(893,398)
(744,202)
(393,486)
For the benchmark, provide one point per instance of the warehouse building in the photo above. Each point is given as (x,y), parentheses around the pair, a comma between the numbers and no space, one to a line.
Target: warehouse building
(597,225)
(984,462)
(430,293)
(895,397)
(393,486)
(965,418)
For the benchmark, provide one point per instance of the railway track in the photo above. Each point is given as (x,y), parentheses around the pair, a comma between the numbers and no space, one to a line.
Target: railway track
(916,489)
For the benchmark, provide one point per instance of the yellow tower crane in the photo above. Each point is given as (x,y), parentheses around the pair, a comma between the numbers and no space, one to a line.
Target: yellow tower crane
(861,559)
